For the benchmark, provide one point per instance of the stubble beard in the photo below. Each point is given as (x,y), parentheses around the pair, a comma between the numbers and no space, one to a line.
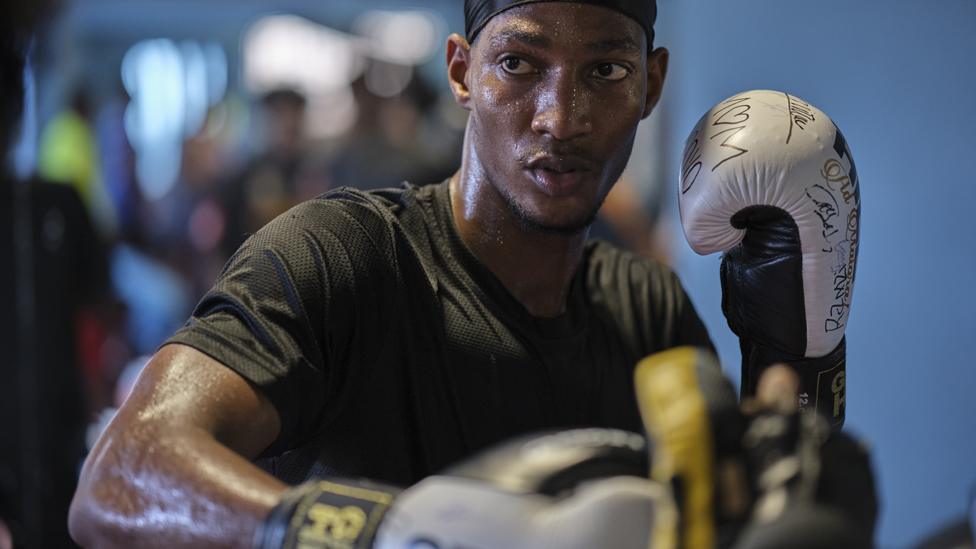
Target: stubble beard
(532,223)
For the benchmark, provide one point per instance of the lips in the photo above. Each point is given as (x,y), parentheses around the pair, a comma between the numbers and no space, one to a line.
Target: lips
(559,175)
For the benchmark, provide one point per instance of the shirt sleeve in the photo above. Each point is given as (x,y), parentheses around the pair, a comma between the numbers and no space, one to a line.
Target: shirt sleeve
(288,310)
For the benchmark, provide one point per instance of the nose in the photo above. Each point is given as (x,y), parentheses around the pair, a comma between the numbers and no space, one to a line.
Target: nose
(562,108)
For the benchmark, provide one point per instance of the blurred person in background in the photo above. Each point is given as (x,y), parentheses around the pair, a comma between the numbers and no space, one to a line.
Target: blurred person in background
(69,153)
(84,146)
(279,176)
(118,163)
(56,267)
(184,228)
(395,138)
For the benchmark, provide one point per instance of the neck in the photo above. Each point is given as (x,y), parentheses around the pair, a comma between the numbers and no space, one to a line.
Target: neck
(534,265)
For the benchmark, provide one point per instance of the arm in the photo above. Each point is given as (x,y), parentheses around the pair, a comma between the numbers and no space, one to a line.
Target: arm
(172,468)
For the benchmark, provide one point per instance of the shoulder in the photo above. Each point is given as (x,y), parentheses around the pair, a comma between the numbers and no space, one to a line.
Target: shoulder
(344,230)
(344,213)
(349,201)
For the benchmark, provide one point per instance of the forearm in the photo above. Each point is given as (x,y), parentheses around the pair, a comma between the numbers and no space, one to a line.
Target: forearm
(172,469)
(152,485)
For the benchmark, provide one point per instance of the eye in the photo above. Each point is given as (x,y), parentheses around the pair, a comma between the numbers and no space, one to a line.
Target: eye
(611,71)
(516,65)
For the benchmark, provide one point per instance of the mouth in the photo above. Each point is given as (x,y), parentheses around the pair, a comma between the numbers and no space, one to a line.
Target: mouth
(559,163)
(559,175)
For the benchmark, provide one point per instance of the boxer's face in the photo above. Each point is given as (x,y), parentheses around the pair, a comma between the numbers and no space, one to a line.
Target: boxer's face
(555,92)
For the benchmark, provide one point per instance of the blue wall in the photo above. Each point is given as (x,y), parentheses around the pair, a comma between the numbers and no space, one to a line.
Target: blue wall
(899,78)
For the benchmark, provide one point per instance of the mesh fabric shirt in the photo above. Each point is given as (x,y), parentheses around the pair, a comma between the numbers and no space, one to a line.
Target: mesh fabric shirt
(390,351)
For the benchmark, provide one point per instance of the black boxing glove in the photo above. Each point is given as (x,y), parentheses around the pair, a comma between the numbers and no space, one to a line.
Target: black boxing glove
(768,179)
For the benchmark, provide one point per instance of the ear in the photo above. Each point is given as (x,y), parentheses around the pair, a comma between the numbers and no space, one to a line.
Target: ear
(458,63)
(657,69)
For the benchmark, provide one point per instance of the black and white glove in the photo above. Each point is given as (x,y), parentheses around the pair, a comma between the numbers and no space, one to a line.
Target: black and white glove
(571,489)
(768,179)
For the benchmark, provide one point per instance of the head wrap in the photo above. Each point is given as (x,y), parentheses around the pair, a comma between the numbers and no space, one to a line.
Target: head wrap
(477,13)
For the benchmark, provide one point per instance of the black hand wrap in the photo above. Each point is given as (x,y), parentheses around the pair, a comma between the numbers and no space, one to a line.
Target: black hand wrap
(327,514)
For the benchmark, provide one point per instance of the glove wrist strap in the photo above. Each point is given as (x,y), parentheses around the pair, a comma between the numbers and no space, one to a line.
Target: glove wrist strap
(823,384)
(335,513)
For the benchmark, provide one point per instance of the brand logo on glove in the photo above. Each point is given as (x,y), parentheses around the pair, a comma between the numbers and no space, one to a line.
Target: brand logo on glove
(335,527)
(837,387)
(831,381)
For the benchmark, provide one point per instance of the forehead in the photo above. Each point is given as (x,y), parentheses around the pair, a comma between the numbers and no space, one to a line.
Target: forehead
(563,24)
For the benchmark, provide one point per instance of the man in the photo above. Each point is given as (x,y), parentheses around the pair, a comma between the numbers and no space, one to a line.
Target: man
(388,335)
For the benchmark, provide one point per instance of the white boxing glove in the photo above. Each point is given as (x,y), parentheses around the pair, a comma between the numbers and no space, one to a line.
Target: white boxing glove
(570,489)
(580,488)
(768,179)
(442,512)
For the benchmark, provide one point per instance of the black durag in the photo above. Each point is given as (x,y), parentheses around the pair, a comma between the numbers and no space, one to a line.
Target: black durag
(477,13)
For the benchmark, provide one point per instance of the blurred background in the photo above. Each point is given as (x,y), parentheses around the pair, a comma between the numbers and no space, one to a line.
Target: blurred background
(183,126)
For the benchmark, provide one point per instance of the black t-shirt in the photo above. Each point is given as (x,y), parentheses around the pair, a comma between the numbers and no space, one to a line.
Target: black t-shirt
(391,352)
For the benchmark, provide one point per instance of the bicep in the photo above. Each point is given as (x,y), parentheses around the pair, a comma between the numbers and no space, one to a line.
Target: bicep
(183,386)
